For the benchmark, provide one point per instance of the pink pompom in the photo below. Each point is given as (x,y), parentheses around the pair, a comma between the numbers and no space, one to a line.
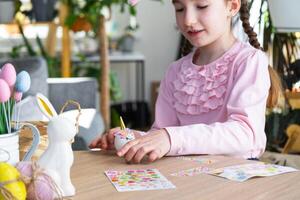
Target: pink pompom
(40,187)
(4,91)
(18,96)
(8,73)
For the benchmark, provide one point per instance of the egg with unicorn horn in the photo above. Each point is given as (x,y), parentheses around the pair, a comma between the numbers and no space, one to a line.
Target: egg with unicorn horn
(23,82)
(8,73)
(4,91)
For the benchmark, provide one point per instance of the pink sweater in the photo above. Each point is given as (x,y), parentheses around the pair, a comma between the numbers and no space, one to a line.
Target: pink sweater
(217,108)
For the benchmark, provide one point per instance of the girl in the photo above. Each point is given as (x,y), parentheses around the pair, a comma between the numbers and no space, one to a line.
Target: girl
(212,100)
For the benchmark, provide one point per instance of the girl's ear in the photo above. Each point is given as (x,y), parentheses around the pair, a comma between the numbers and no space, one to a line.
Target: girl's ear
(234,7)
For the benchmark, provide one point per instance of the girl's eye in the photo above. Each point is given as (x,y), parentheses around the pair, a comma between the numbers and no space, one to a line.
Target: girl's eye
(201,7)
(179,9)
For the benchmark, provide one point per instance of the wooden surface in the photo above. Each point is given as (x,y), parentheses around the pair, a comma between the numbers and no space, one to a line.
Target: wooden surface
(91,183)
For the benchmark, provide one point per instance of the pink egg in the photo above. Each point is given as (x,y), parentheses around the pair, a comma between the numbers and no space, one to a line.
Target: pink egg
(8,73)
(4,91)
(40,186)
(18,95)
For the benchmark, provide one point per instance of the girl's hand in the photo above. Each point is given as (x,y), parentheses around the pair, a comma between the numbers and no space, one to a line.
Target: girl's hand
(155,144)
(106,140)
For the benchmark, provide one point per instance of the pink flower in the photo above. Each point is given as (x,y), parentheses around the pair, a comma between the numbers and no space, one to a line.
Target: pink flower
(133,2)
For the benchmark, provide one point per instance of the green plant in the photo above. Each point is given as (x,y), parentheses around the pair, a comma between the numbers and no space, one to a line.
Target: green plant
(91,10)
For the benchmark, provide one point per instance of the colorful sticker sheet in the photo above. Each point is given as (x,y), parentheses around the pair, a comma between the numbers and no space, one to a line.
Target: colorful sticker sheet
(141,179)
(192,172)
(198,159)
(244,172)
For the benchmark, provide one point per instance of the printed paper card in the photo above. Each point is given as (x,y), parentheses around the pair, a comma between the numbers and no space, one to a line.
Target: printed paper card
(198,159)
(244,172)
(141,179)
(191,172)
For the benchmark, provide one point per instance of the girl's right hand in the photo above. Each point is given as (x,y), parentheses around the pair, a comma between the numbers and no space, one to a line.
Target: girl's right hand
(106,140)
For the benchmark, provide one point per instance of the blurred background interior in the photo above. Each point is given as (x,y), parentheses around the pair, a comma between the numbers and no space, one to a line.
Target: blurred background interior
(61,44)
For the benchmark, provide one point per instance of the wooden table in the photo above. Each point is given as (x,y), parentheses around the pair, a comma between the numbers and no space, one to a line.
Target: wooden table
(91,183)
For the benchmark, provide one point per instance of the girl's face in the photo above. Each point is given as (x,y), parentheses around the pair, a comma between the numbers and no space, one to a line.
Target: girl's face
(203,21)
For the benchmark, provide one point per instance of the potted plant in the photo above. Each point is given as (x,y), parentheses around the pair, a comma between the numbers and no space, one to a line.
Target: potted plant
(126,42)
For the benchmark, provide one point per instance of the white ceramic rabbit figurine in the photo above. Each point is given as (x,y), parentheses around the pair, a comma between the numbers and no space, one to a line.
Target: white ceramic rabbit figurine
(58,157)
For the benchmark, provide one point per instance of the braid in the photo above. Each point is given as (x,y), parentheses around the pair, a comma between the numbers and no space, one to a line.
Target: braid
(244,15)
(275,91)
(186,48)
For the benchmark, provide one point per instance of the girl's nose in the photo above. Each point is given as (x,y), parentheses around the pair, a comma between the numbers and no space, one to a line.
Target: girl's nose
(190,17)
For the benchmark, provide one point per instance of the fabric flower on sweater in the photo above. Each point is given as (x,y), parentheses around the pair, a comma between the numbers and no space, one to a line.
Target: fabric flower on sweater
(201,89)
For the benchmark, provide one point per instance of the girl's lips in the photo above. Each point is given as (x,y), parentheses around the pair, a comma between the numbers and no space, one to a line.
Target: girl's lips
(194,33)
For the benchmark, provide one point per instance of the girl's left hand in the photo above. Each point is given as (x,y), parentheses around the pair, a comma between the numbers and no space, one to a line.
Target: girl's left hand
(156,144)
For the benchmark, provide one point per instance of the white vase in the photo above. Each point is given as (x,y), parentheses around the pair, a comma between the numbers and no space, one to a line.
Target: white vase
(9,145)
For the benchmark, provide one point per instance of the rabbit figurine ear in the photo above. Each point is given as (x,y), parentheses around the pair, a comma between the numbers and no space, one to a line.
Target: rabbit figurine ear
(45,106)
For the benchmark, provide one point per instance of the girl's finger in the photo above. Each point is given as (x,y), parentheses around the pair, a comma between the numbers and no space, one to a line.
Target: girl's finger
(132,152)
(104,142)
(111,134)
(142,152)
(126,147)
(95,142)
(153,156)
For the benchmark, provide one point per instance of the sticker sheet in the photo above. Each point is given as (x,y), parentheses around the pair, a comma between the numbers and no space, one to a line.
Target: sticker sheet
(191,172)
(138,179)
(244,172)
(198,159)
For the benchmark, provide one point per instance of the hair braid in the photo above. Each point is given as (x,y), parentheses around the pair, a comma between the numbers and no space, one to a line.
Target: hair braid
(186,48)
(275,90)
(244,15)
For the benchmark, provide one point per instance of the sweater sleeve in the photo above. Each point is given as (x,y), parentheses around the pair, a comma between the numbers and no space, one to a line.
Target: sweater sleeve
(242,135)
(165,114)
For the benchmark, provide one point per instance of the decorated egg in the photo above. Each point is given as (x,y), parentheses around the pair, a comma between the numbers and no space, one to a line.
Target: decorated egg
(18,96)
(16,187)
(8,73)
(4,91)
(23,82)
(40,185)
(122,139)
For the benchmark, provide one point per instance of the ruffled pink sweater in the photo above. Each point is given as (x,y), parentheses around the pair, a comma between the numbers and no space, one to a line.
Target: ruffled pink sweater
(217,108)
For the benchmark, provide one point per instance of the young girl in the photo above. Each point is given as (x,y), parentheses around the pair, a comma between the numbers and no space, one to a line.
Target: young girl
(212,100)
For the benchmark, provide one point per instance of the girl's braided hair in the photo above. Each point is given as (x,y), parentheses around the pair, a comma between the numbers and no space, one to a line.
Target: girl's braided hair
(276,88)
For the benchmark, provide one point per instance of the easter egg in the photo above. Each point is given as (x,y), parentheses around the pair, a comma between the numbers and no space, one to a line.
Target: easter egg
(4,91)
(8,73)
(18,95)
(40,187)
(16,188)
(23,82)
(121,140)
